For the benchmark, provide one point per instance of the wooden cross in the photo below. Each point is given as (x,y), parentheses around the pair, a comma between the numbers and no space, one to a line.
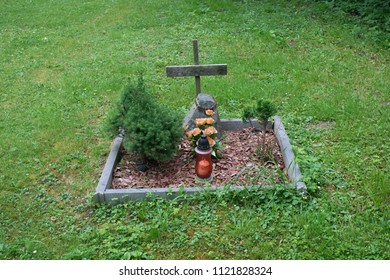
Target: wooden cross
(196,69)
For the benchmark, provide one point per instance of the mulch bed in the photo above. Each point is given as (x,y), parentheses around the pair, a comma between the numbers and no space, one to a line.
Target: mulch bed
(240,165)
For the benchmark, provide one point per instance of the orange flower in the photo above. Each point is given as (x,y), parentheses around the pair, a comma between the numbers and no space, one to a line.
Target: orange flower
(210,130)
(211,141)
(209,112)
(196,131)
(209,121)
(189,133)
(200,121)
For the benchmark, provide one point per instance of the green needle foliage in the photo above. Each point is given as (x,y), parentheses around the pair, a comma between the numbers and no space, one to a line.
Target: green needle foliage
(263,111)
(248,114)
(151,129)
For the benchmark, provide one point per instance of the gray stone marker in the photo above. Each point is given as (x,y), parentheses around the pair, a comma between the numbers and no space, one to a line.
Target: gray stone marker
(203,101)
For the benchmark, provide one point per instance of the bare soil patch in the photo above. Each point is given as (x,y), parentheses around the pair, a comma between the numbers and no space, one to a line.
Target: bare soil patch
(241,164)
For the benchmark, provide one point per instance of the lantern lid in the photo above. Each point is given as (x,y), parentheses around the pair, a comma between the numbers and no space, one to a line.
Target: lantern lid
(203,143)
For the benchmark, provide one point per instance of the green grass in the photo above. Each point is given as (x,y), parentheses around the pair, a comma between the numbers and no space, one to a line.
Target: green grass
(64,64)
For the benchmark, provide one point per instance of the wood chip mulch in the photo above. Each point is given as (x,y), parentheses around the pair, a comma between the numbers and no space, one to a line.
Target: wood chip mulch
(240,165)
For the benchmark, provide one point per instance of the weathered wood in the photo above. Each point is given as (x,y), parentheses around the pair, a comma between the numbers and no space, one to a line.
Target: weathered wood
(196,62)
(196,70)
(196,52)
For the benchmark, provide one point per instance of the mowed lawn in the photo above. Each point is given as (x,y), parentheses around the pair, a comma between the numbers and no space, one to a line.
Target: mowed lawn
(63,65)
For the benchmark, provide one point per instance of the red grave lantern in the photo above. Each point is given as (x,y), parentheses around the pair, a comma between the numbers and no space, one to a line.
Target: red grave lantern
(203,165)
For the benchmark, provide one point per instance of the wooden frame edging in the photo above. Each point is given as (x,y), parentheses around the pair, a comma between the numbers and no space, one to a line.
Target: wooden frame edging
(104,193)
(106,177)
(292,168)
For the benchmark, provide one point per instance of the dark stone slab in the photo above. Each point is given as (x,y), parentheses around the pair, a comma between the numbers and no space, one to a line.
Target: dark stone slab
(203,102)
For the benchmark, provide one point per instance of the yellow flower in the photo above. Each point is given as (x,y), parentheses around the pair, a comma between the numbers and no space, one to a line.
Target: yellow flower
(209,112)
(209,121)
(200,121)
(211,141)
(196,131)
(210,130)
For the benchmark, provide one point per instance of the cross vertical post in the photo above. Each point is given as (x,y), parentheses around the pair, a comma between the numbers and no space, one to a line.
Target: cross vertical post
(196,62)
(203,101)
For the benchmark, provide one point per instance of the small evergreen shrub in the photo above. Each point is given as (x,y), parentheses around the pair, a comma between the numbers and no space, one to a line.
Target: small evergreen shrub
(263,111)
(151,130)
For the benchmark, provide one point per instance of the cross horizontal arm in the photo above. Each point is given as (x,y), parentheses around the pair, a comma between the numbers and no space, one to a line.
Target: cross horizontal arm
(197,70)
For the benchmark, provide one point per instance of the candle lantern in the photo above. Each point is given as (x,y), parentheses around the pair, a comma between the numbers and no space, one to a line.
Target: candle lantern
(203,165)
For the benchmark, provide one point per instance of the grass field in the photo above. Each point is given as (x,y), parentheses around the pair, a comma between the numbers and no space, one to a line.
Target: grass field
(64,65)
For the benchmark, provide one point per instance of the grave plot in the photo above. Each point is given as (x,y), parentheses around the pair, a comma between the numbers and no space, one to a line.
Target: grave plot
(241,165)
